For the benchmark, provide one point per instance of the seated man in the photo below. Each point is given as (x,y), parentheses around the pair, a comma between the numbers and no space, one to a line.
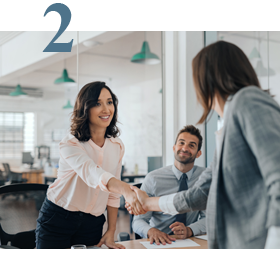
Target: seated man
(168,180)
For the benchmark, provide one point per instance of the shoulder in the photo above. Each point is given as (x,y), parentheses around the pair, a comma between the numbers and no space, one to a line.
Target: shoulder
(248,98)
(160,172)
(69,139)
(198,170)
(117,141)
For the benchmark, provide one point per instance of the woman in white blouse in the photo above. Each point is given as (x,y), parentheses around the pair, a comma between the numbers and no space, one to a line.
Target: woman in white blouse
(88,179)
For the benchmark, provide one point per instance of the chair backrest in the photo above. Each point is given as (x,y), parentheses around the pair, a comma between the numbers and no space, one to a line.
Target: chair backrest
(131,216)
(2,178)
(20,205)
(7,169)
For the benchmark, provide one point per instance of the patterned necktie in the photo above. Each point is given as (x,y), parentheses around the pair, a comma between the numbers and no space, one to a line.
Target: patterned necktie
(183,187)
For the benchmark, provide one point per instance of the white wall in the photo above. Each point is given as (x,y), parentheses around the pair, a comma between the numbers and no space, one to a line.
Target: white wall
(140,115)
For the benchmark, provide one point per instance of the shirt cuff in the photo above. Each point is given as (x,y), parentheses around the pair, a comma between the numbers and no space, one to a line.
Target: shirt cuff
(195,229)
(166,204)
(273,238)
(103,181)
(145,230)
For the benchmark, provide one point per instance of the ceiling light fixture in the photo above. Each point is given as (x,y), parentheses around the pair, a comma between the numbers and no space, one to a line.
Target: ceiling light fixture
(64,78)
(18,91)
(145,56)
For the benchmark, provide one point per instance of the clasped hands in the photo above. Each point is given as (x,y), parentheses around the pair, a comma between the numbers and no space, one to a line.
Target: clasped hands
(136,205)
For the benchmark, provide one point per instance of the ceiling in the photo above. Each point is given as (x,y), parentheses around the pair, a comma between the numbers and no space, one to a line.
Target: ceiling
(6,36)
(108,62)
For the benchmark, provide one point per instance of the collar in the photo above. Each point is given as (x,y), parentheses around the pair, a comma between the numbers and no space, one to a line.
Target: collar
(226,105)
(178,173)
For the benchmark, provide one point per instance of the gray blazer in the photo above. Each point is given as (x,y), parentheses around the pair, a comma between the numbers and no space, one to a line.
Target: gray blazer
(244,197)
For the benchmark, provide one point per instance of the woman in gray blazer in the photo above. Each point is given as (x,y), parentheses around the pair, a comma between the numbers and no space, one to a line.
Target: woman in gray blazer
(240,190)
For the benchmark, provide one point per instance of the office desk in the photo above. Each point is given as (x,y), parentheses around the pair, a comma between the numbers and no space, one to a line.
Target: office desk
(131,177)
(32,175)
(135,244)
(48,178)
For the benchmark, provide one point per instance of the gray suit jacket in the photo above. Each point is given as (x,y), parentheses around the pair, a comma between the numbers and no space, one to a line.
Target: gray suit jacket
(243,200)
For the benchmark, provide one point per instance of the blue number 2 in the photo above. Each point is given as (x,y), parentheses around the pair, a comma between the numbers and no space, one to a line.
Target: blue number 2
(65,14)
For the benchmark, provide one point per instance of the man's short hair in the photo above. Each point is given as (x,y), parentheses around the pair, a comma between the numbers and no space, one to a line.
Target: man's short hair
(193,131)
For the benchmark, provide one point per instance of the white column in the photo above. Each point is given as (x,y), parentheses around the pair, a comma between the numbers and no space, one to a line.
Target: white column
(180,106)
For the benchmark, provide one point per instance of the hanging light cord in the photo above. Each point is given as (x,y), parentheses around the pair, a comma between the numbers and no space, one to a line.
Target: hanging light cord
(268,59)
(78,60)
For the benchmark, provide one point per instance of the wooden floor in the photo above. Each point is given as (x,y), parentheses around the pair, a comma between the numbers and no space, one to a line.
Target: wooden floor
(19,214)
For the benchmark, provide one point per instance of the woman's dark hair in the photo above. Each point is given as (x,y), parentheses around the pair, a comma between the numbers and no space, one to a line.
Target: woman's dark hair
(86,99)
(221,68)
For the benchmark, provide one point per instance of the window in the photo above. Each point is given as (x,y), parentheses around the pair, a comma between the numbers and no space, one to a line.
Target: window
(17,134)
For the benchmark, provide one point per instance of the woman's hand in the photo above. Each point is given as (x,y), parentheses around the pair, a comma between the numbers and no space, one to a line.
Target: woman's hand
(131,198)
(116,186)
(141,196)
(108,240)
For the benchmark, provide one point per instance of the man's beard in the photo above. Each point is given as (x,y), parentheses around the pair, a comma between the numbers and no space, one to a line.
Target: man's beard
(185,161)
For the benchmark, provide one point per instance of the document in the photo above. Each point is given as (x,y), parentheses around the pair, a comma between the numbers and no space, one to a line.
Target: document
(174,244)
(204,237)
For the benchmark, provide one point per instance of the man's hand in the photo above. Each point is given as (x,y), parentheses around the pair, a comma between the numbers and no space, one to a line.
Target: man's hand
(159,237)
(132,201)
(141,196)
(108,240)
(181,231)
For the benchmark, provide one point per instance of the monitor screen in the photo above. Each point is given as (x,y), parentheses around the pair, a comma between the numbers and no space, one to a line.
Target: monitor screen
(154,163)
(27,158)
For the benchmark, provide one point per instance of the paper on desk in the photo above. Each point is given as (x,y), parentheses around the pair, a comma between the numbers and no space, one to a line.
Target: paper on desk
(204,237)
(176,244)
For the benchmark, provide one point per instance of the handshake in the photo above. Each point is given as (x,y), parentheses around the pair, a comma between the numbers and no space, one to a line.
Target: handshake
(136,201)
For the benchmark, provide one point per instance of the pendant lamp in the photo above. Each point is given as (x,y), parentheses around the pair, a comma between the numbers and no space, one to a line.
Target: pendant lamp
(145,56)
(68,105)
(254,54)
(262,71)
(64,78)
(18,91)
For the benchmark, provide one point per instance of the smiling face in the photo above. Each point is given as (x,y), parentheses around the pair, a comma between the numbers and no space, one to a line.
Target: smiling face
(100,116)
(186,148)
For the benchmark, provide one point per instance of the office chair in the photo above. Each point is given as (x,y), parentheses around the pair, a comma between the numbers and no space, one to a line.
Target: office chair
(19,217)
(131,216)
(13,177)
(2,178)
(21,240)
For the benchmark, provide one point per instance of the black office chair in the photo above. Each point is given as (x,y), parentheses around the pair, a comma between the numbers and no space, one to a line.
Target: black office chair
(21,240)
(18,217)
(13,177)
(2,178)
(131,216)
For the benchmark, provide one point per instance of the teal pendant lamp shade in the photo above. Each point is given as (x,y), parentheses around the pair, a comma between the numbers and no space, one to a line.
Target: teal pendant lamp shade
(18,91)
(64,78)
(254,54)
(262,71)
(68,105)
(145,56)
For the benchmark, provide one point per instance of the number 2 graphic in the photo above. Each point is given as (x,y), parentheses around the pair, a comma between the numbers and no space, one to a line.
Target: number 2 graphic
(65,14)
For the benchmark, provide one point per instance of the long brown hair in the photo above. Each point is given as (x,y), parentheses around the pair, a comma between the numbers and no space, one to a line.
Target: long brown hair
(86,99)
(221,68)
